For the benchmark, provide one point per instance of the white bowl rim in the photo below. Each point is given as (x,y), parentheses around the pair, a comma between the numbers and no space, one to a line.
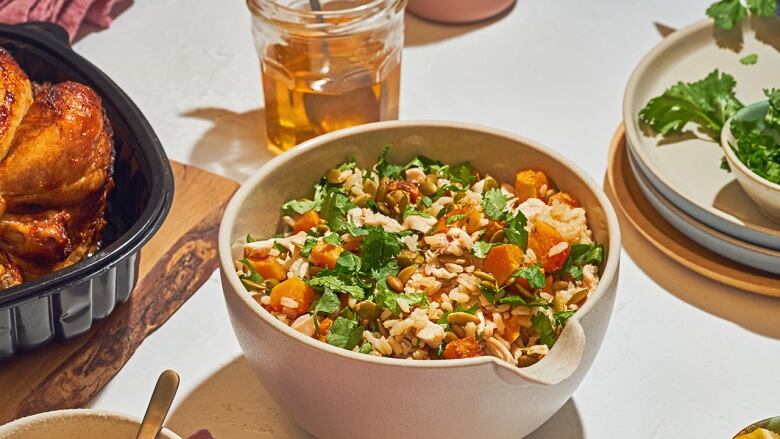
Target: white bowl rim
(725,137)
(74,413)
(632,130)
(608,274)
(696,224)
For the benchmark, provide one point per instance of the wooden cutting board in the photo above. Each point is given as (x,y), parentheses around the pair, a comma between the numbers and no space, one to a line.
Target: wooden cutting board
(174,264)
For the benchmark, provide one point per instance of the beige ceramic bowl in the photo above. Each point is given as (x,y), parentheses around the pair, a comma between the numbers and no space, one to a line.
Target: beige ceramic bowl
(334,393)
(763,192)
(77,424)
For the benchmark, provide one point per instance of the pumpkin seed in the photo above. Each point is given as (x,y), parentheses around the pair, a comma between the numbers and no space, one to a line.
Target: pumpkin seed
(461,318)
(459,331)
(526,361)
(370,187)
(381,191)
(394,283)
(560,285)
(419,259)
(485,276)
(459,196)
(334,176)
(558,304)
(451,259)
(578,296)
(487,284)
(383,209)
(253,285)
(490,183)
(523,292)
(498,236)
(450,337)
(367,310)
(428,187)
(406,258)
(323,228)
(510,281)
(270,283)
(406,273)
(361,200)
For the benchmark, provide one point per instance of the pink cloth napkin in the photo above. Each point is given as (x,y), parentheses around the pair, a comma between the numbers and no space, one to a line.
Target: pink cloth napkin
(70,14)
(201,434)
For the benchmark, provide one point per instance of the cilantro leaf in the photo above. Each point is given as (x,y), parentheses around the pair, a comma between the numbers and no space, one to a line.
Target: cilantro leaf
(387,299)
(327,303)
(334,209)
(409,210)
(772,118)
(248,279)
(762,8)
(462,174)
(533,274)
(332,239)
(581,255)
(454,218)
(515,231)
(344,333)
(749,60)
(707,103)
(727,13)
(333,283)
(427,202)
(494,203)
(758,148)
(489,294)
(308,245)
(481,248)
(543,327)
(366,348)
(378,247)
(522,301)
(297,206)
(561,317)
(387,169)
(347,263)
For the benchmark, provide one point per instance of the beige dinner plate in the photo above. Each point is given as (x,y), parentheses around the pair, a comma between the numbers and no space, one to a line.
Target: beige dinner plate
(625,193)
(686,170)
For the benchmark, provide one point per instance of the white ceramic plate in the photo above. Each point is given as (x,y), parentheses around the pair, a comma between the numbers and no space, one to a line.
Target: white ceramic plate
(722,244)
(687,172)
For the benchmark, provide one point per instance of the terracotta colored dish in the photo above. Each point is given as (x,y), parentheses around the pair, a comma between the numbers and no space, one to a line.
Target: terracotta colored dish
(315,382)
(458,11)
(624,191)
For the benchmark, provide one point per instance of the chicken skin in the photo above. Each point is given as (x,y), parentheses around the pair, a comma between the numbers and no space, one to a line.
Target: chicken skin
(54,180)
(16,96)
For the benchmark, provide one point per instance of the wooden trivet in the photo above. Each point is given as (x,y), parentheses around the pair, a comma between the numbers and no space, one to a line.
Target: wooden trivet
(622,188)
(174,264)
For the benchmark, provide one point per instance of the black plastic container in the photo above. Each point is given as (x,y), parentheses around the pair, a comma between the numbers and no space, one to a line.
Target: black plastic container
(64,304)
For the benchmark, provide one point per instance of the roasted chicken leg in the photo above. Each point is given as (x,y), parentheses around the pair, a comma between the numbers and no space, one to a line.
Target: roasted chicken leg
(54,180)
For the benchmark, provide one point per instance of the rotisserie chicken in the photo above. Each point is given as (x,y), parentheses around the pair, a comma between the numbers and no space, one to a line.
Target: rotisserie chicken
(56,161)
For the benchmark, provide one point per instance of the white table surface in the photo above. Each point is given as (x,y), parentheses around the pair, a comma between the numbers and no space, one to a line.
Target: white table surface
(682,355)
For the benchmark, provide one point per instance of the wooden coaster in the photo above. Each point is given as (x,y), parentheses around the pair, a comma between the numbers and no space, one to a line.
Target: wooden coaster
(174,264)
(623,190)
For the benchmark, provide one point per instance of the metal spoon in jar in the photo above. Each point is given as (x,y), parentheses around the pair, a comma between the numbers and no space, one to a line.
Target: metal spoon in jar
(159,404)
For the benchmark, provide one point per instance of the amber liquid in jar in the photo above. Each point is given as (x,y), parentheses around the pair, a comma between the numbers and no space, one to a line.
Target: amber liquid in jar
(327,71)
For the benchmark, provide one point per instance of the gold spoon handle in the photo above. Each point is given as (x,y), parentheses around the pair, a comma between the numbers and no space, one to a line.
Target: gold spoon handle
(159,404)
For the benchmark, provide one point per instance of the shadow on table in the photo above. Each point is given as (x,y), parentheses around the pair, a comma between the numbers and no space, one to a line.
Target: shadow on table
(419,32)
(753,312)
(235,145)
(566,423)
(233,404)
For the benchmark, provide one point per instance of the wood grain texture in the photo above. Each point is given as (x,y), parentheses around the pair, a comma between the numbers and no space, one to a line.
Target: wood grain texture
(174,264)
(622,188)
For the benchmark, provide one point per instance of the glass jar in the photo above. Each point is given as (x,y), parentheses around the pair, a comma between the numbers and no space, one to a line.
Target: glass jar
(327,69)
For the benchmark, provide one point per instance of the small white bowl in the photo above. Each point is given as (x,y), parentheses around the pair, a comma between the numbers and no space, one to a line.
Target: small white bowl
(335,393)
(77,424)
(762,191)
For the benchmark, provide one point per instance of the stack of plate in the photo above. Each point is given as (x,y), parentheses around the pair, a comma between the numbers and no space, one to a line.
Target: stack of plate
(681,177)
